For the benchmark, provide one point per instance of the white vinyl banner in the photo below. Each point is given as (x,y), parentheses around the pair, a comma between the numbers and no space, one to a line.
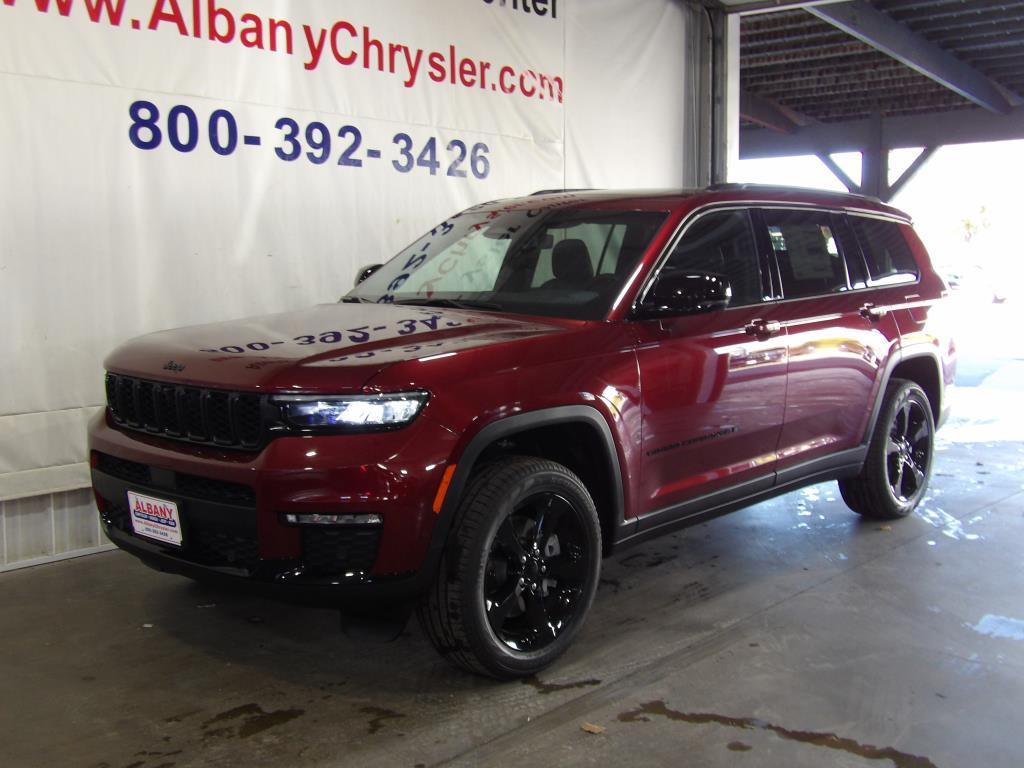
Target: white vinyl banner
(169,162)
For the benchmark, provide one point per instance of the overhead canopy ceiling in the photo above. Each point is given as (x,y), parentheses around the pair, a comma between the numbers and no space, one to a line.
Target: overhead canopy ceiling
(838,76)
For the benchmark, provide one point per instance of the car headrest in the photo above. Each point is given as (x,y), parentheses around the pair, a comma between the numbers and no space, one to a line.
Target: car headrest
(570,260)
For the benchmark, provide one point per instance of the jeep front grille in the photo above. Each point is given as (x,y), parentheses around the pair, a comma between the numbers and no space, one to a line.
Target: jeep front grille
(195,414)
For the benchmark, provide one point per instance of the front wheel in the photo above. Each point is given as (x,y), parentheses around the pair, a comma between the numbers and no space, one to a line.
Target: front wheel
(520,570)
(895,474)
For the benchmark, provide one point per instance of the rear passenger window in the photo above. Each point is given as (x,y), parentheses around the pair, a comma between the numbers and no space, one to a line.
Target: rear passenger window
(721,243)
(885,250)
(807,252)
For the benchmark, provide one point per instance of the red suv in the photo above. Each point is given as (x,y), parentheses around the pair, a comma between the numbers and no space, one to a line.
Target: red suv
(531,385)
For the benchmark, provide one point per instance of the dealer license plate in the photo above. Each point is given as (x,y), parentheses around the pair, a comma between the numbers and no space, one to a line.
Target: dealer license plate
(155,518)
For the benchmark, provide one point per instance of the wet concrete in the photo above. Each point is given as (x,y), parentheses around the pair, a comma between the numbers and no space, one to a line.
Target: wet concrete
(792,633)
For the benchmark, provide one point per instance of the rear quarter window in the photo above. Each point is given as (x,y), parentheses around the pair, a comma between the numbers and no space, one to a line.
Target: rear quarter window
(886,251)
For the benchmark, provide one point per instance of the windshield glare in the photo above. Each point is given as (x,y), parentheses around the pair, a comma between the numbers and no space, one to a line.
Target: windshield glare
(560,263)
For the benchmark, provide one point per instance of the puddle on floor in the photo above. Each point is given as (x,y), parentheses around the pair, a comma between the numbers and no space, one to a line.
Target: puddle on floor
(945,522)
(534,682)
(254,719)
(999,626)
(826,740)
(378,717)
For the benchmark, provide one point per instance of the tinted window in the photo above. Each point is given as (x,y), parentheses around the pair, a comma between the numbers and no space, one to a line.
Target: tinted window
(601,241)
(557,262)
(885,250)
(807,252)
(721,243)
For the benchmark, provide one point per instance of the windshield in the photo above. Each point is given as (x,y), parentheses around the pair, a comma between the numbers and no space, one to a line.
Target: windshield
(559,263)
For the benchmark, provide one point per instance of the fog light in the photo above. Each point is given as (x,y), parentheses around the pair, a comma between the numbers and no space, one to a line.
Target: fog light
(318,519)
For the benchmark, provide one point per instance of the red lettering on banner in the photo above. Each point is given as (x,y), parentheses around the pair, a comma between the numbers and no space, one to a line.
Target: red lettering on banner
(173,16)
(316,47)
(350,57)
(506,74)
(414,65)
(43,6)
(250,31)
(436,66)
(467,72)
(276,25)
(114,10)
(393,49)
(522,83)
(215,15)
(374,44)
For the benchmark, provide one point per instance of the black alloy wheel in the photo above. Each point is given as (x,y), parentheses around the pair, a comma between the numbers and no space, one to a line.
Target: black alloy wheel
(536,572)
(908,451)
(520,570)
(895,474)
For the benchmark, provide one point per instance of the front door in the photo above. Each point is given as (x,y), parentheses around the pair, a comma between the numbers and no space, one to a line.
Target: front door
(713,384)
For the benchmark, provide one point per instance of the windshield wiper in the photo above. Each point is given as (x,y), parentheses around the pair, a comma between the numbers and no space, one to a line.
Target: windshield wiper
(453,303)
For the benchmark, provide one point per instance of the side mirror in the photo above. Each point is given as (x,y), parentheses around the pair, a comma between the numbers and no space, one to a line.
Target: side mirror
(686,293)
(364,272)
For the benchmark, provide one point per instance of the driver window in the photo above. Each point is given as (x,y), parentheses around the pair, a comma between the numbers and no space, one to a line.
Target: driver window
(721,243)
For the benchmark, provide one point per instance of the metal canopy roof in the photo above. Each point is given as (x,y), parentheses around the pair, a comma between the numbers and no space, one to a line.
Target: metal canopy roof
(821,77)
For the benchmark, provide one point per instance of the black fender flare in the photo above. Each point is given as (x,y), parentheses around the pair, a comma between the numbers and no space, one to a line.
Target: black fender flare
(506,427)
(898,357)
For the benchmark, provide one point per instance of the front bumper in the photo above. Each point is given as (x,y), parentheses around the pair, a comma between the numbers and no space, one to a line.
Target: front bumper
(232,506)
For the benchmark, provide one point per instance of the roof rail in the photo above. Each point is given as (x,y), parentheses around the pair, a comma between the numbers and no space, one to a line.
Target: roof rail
(745,186)
(555,191)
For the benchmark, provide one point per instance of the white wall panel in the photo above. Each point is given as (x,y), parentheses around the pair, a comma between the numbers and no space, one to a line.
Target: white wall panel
(51,527)
(627,127)
(28,528)
(74,521)
(103,240)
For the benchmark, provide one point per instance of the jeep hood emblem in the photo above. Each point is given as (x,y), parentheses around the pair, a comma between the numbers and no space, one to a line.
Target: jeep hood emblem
(174,367)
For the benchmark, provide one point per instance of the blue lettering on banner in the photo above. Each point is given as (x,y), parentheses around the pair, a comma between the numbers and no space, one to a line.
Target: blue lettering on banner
(185,131)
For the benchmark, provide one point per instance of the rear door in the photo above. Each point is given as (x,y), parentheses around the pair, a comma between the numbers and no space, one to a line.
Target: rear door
(837,343)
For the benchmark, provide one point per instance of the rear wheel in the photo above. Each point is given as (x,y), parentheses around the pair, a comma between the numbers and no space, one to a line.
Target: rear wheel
(895,474)
(519,572)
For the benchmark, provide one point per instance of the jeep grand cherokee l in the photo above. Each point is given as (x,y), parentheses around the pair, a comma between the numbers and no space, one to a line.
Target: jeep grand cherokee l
(529,386)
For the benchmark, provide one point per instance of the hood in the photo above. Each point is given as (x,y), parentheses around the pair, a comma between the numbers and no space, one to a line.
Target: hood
(326,348)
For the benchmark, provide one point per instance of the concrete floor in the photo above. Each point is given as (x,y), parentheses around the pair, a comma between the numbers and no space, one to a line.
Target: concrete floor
(792,633)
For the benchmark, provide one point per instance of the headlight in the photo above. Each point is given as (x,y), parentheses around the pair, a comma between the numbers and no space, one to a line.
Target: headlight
(351,412)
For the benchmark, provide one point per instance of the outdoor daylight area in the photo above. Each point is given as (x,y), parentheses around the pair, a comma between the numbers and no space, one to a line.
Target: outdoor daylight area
(966,204)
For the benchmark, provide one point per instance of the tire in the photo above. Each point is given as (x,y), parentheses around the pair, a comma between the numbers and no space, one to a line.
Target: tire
(519,572)
(895,475)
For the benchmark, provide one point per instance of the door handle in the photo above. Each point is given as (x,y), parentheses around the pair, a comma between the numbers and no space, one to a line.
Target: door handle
(871,312)
(763,327)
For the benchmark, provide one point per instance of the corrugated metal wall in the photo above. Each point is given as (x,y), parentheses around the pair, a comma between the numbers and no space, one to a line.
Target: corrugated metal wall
(46,528)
